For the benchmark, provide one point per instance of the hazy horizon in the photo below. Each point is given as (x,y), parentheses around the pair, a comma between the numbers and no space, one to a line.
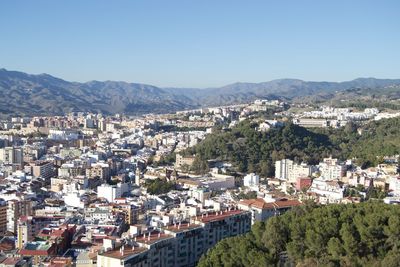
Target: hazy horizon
(192,87)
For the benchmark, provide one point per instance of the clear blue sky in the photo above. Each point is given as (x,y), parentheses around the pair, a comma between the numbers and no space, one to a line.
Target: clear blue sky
(201,43)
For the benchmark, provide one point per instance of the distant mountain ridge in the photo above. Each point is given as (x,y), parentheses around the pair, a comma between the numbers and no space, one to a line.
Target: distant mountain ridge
(280,89)
(43,94)
(25,94)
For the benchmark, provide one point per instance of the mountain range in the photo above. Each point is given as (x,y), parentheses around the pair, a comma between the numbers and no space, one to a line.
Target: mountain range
(43,94)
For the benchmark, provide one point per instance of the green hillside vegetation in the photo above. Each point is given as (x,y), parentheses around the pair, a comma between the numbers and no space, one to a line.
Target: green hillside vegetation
(366,234)
(377,139)
(253,151)
(360,98)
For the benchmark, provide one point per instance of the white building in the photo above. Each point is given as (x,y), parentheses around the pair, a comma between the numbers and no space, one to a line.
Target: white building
(330,169)
(65,134)
(73,200)
(328,191)
(287,170)
(251,180)
(201,194)
(111,192)
(394,185)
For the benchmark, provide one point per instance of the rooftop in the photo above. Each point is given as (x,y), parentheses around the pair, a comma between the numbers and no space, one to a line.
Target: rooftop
(261,204)
(218,216)
(123,252)
(10,261)
(37,246)
(155,236)
(182,227)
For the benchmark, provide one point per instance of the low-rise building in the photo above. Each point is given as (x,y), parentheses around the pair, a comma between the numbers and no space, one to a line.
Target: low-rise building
(261,210)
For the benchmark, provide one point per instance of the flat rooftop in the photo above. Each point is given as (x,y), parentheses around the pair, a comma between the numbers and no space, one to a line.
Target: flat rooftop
(218,216)
(182,227)
(127,251)
(155,236)
(37,246)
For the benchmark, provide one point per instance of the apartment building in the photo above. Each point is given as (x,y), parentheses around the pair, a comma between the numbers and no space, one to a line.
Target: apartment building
(12,155)
(3,217)
(111,192)
(131,212)
(330,169)
(181,244)
(44,169)
(251,180)
(261,210)
(16,209)
(181,161)
(287,170)
(311,122)
(101,170)
(327,191)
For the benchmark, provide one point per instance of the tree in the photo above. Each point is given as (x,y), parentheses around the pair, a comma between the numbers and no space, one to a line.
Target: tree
(365,234)
(158,186)
(199,166)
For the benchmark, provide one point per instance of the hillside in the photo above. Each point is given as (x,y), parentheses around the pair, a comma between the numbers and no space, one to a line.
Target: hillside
(26,94)
(387,97)
(285,89)
(253,151)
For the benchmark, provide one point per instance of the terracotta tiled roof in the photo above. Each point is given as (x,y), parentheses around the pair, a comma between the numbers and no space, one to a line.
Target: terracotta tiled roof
(10,261)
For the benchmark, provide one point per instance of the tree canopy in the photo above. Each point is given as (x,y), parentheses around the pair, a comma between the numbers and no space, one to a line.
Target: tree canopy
(366,234)
(253,151)
(158,186)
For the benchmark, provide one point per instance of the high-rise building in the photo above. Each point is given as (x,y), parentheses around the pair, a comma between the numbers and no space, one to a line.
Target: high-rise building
(12,155)
(44,169)
(282,168)
(251,180)
(3,217)
(16,209)
(287,170)
(181,244)
(102,125)
(330,169)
